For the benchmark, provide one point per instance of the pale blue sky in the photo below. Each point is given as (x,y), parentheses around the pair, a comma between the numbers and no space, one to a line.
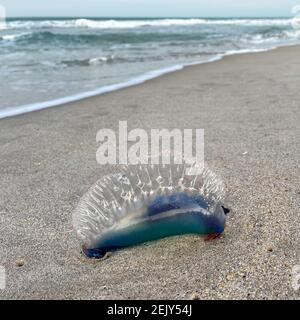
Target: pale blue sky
(150,8)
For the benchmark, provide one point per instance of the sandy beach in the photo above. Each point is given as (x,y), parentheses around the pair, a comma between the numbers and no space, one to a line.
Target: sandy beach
(249,107)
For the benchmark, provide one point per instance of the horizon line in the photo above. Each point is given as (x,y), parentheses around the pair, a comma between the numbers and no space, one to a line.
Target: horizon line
(151,17)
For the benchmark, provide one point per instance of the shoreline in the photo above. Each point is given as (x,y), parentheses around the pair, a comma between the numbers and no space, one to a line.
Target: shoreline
(150,75)
(248,105)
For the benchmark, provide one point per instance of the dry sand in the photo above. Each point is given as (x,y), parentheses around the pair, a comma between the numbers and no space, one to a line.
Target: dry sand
(249,107)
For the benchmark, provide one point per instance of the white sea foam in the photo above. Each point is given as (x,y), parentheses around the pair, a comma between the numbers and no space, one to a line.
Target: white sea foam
(9,37)
(30,24)
(97,53)
(9,112)
(240,51)
(98,60)
(13,37)
(120,24)
(252,22)
(259,39)
(125,24)
(293,35)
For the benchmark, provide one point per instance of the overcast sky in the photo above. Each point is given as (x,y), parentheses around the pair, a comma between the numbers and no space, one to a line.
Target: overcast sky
(150,8)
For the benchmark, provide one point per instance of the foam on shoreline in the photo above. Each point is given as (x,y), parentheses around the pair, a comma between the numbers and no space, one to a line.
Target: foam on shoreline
(14,111)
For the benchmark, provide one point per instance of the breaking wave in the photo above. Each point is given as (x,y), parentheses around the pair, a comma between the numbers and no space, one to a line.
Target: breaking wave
(129,24)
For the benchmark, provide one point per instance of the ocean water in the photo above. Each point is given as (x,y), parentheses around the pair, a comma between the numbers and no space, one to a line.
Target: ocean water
(45,62)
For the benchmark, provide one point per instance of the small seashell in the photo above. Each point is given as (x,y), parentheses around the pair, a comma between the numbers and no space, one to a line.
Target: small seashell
(19,262)
(230,276)
(195,296)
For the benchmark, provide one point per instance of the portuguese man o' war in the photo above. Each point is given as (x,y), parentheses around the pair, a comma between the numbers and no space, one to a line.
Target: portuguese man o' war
(142,203)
